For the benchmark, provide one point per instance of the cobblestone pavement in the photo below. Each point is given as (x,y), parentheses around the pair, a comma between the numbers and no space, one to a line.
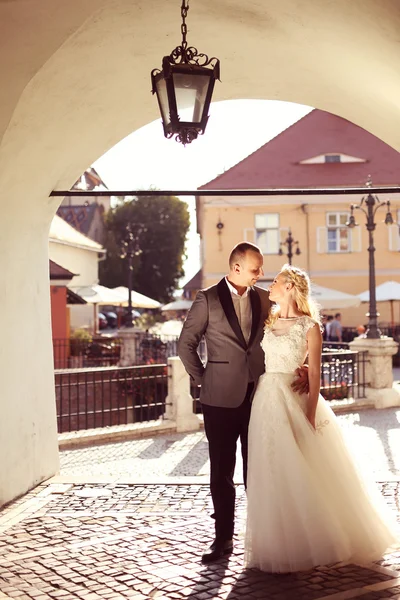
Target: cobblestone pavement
(117,541)
(373,435)
(131,519)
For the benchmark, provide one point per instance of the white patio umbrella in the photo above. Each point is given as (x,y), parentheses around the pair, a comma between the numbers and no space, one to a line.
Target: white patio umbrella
(97,295)
(329,299)
(385,292)
(179,304)
(138,300)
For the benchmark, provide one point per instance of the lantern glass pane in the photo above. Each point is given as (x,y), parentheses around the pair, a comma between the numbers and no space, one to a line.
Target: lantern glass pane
(190,94)
(163,99)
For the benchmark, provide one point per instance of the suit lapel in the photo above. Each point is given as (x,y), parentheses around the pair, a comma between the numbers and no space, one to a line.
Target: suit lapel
(255,313)
(226,301)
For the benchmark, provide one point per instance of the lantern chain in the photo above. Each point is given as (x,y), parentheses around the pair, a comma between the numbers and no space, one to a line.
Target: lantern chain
(184,12)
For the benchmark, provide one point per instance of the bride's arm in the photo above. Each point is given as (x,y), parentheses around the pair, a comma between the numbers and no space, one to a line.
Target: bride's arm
(314,340)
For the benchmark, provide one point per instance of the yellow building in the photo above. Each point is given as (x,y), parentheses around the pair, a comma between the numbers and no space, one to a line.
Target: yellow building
(321,150)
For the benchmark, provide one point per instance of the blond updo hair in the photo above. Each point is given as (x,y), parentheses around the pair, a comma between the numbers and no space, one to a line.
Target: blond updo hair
(301,292)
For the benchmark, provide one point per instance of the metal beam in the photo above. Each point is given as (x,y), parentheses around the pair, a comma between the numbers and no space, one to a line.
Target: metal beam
(235,192)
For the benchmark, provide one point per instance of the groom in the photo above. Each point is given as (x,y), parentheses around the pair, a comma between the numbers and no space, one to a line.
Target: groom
(230,315)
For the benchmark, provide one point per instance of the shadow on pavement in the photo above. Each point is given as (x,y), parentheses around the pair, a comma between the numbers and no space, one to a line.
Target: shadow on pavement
(267,586)
(210,580)
(193,462)
(156,449)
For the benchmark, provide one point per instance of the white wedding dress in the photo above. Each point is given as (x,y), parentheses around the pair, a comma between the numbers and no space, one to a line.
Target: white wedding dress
(307,504)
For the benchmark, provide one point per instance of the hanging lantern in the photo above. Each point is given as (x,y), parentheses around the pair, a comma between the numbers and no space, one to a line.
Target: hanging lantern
(184,88)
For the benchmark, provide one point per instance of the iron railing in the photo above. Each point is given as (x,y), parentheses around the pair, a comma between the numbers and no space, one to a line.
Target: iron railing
(349,333)
(100,397)
(90,398)
(149,349)
(72,353)
(342,372)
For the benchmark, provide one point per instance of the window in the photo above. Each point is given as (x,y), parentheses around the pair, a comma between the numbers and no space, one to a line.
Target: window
(332,158)
(338,232)
(267,233)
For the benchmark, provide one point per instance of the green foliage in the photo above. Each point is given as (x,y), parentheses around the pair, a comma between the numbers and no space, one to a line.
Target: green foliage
(79,340)
(81,335)
(160,225)
(147,320)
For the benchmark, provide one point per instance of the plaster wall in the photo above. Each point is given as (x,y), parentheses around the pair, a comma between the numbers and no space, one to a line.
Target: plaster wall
(85,263)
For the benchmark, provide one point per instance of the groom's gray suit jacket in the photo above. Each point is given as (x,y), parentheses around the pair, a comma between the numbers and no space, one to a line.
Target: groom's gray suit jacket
(232,363)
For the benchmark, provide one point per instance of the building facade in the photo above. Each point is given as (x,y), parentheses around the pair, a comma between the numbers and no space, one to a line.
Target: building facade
(321,150)
(80,255)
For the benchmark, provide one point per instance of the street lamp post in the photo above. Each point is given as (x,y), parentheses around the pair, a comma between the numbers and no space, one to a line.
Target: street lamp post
(372,204)
(130,249)
(290,243)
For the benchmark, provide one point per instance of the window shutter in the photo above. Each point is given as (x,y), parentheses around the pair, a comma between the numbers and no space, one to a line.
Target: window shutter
(394,237)
(355,239)
(249,235)
(322,240)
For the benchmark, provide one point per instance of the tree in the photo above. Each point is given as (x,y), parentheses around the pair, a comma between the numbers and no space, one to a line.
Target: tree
(160,225)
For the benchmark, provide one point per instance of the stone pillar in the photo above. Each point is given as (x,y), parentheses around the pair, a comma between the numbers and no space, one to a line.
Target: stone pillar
(28,424)
(129,344)
(380,390)
(179,400)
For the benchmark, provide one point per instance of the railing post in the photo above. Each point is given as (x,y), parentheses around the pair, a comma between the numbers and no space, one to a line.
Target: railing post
(179,401)
(380,390)
(129,343)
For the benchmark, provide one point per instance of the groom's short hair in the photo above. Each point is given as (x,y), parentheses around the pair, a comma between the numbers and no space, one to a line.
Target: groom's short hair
(239,251)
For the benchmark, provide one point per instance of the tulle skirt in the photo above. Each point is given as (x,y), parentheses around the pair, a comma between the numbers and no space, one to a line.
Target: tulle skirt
(307,502)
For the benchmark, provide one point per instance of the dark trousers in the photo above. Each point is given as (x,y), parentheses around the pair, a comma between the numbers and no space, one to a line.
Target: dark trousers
(223,427)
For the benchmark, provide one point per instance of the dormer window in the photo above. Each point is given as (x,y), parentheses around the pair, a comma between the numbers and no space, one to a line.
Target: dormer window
(332,158)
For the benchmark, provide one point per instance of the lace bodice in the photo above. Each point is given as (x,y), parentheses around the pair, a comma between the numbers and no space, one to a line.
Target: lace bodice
(285,349)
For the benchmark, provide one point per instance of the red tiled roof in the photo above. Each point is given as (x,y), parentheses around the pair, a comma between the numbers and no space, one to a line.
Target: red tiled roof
(58,272)
(195,283)
(276,164)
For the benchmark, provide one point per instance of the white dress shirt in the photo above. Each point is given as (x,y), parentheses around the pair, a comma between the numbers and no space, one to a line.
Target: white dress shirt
(242,306)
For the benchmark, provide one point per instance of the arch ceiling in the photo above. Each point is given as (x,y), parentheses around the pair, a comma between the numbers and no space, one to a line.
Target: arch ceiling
(75,76)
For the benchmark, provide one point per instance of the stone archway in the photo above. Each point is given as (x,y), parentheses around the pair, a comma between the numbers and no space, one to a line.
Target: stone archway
(75,80)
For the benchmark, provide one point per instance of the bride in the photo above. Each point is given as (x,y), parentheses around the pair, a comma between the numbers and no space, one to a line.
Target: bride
(307,503)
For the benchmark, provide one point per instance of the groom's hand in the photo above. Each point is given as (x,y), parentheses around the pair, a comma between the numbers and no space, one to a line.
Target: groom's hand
(300,384)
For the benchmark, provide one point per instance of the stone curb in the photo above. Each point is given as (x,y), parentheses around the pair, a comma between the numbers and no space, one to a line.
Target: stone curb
(124,433)
(117,433)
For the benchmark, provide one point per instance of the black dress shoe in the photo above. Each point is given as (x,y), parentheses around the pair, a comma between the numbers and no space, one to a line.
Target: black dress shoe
(217,549)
